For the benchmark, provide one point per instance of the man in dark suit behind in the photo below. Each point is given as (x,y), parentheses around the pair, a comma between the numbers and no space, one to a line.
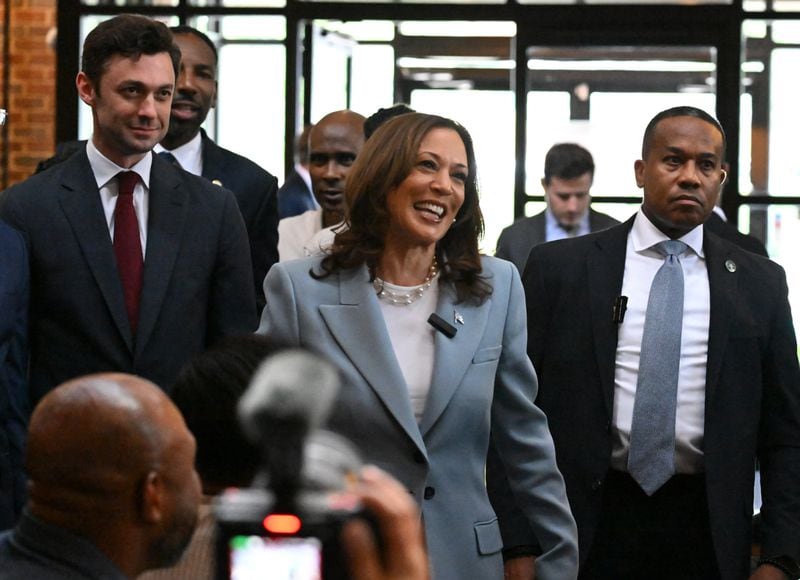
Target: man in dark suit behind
(14,408)
(296,195)
(568,176)
(255,189)
(736,368)
(96,303)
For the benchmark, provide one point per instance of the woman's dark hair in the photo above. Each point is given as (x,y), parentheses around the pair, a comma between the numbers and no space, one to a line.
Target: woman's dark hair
(386,159)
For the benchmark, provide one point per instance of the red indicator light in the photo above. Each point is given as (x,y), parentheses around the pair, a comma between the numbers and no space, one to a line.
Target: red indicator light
(282,524)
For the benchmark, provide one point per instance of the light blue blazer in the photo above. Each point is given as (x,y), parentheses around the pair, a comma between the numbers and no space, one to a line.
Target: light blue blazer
(482,381)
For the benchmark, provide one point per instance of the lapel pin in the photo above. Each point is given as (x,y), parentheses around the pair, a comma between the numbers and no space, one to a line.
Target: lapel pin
(730,265)
(216,182)
(457,317)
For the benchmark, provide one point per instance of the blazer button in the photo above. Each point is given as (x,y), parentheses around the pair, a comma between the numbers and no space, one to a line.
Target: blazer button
(429,492)
(419,457)
(597,484)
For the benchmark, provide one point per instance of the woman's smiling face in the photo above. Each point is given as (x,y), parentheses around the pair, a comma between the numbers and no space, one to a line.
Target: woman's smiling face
(424,205)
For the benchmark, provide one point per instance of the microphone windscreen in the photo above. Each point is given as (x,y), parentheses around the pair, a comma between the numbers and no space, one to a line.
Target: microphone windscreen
(291,387)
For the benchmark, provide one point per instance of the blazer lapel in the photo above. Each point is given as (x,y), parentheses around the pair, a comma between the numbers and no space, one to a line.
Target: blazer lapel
(167,215)
(605,265)
(723,282)
(212,160)
(452,356)
(80,201)
(358,326)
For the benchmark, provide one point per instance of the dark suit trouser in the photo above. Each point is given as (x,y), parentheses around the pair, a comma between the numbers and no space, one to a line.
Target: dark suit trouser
(664,536)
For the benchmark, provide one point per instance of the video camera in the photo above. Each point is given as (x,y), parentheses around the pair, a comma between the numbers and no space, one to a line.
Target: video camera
(287,525)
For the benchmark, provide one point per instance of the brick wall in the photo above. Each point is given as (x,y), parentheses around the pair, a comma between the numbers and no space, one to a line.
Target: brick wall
(30,94)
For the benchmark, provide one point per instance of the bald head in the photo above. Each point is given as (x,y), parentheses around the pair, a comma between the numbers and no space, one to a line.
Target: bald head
(110,458)
(333,143)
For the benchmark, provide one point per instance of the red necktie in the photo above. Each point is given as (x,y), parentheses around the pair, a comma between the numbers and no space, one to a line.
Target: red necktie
(128,246)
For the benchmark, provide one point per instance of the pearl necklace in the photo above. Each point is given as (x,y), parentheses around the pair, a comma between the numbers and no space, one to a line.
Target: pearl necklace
(406,298)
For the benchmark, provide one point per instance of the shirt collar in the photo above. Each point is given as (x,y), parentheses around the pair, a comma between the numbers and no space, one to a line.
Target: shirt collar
(581,228)
(105,170)
(645,235)
(189,155)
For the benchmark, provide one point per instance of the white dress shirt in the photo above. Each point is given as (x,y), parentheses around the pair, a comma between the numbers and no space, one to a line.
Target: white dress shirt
(413,340)
(555,231)
(105,173)
(641,264)
(189,155)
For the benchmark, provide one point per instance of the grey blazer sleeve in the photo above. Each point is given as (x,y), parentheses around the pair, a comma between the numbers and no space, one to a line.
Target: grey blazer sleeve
(524,446)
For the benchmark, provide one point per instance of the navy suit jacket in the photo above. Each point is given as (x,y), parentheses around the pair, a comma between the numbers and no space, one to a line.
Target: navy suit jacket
(14,407)
(294,197)
(728,231)
(256,192)
(197,281)
(752,406)
(515,241)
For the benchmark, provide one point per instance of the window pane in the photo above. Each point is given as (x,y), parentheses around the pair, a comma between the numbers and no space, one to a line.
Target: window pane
(769,114)
(493,138)
(250,108)
(240,3)
(585,95)
(373,78)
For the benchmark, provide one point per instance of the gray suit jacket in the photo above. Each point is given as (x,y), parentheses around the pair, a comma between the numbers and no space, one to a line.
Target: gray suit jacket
(197,284)
(752,406)
(482,379)
(517,240)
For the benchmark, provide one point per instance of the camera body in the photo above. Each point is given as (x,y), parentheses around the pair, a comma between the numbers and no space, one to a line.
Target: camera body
(256,539)
(288,524)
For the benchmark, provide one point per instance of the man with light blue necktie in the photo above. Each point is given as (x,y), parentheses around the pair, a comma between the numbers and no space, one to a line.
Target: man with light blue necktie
(667,364)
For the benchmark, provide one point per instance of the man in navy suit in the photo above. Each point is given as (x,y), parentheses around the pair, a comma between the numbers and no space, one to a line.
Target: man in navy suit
(256,190)
(738,382)
(13,370)
(296,195)
(568,177)
(96,304)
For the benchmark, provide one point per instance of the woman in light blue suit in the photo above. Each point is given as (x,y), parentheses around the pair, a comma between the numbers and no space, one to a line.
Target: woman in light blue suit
(431,338)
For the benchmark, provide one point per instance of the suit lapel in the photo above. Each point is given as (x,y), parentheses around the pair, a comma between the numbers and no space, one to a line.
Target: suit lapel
(605,264)
(357,325)
(452,356)
(212,160)
(80,201)
(538,229)
(723,288)
(167,215)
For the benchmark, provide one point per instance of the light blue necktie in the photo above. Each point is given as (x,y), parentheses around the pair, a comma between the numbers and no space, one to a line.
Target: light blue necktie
(651,458)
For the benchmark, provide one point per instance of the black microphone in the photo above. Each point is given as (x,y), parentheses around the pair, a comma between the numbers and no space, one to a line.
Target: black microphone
(442,325)
(618,311)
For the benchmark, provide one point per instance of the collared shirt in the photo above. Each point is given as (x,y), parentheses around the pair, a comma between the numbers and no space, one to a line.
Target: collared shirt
(189,155)
(105,173)
(555,231)
(641,264)
(41,551)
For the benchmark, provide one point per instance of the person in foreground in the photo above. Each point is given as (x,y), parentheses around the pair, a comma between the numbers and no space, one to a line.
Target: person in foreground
(112,486)
(657,433)
(430,337)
